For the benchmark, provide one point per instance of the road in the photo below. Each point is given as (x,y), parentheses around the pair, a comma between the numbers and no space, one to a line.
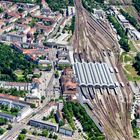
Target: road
(46,89)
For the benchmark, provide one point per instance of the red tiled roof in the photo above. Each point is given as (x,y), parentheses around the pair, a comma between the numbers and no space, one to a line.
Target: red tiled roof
(8,96)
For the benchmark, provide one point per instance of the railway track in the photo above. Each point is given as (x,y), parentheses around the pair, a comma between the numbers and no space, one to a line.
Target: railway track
(90,31)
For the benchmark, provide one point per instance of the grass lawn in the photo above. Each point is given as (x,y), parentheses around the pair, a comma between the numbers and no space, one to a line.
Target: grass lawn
(127,61)
(132,47)
(19,74)
(52,120)
(125,58)
(130,70)
(9,112)
(130,73)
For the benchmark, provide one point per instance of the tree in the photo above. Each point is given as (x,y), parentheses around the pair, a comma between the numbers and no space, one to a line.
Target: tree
(42,97)
(32,105)
(45,133)
(136,63)
(137,4)
(49,67)
(23,131)
(1,9)
(3,121)
(9,127)
(61,123)
(34,132)
(6,15)
(14,110)
(100,1)
(50,135)
(124,44)
(21,137)
(1,131)
(56,74)
(55,137)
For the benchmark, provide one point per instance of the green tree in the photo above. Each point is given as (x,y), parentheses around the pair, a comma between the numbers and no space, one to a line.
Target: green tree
(50,135)
(56,74)
(1,131)
(34,132)
(9,127)
(61,123)
(21,137)
(42,97)
(1,9)
(3,121)
(124,44)
(55,137)
(45,133)
(23,131)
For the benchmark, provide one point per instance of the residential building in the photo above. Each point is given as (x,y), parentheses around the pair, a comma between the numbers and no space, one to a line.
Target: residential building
(11,37)
(8,117)
(66,130)
(44,125)
(17,85)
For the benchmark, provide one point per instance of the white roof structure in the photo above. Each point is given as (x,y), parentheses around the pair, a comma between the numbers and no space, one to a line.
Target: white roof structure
(122,19)
(137,34)
(93,74)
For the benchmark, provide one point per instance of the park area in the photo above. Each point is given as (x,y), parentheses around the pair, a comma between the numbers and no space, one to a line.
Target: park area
(127,60)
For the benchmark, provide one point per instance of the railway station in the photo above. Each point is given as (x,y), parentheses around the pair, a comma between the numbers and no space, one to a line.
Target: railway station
(95,75)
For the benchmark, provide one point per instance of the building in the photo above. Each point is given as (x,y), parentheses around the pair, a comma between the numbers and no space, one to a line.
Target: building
(63,54)
(17,85)
(138,123)
(44,125)
(37,120)
(64,62)
(95,75)
(135,34)
(12,37)
(59,116)
(99,13)
(23,28)
(66,130)
(34,97)
(68,83)
(25,110)
(8,117)
(44,62)
(122,19)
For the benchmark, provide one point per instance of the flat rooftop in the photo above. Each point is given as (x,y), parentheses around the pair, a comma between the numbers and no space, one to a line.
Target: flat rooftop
(93,74)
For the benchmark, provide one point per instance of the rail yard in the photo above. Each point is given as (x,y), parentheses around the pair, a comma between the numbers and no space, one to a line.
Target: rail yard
(110,105)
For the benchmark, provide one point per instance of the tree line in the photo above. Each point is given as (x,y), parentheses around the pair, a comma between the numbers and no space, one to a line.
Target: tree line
(136,63)
(137,4)
(121,32)
(71,110)
(58,5)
